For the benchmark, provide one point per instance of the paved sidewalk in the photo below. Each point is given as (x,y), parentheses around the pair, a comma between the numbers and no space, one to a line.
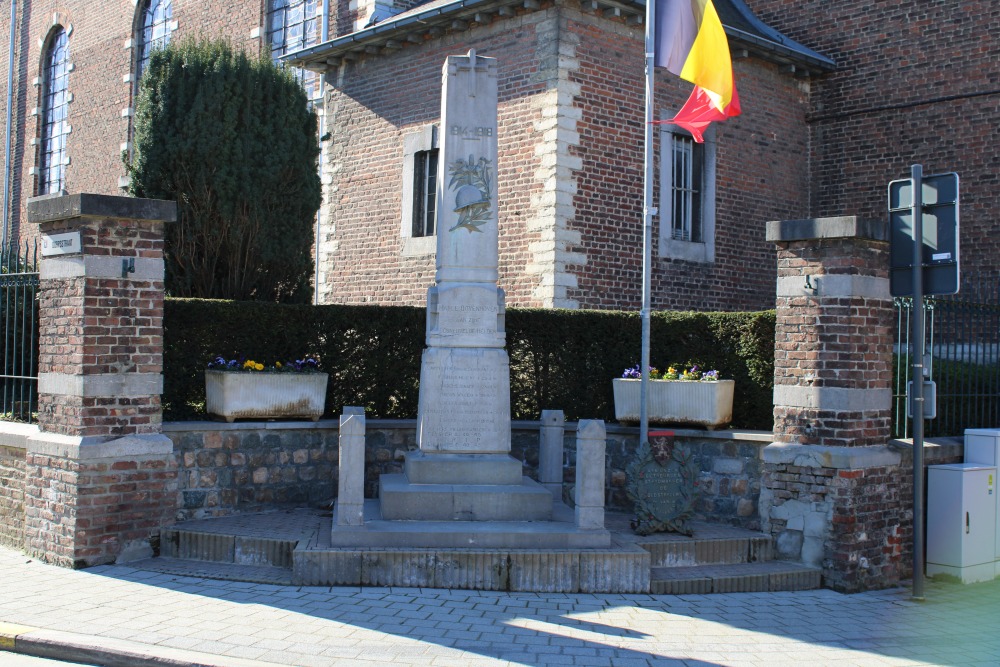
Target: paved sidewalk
(118,615)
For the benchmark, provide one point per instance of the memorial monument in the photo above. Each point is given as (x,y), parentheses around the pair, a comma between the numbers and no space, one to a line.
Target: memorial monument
(462,488)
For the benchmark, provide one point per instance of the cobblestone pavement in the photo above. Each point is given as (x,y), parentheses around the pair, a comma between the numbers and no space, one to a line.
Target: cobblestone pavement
(177,620)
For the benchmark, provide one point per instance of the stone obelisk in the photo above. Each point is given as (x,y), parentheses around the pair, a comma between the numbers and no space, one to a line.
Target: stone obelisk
(465,373)
(464,409)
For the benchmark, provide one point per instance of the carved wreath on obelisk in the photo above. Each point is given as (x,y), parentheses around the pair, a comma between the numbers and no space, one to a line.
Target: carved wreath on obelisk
(471,182)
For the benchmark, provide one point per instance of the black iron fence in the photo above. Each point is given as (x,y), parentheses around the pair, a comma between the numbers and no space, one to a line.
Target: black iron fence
(963,343)
(19,329)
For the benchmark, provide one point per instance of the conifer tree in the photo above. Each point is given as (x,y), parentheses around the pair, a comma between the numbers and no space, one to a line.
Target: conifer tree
(232,140)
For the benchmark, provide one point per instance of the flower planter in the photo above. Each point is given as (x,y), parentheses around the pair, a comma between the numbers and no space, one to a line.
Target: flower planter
(235,395)
(708,404)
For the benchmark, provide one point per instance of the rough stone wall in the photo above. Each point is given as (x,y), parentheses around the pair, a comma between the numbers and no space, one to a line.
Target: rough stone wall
(855,523)
(246,468)
(12,497)
(101,97)
(916,83)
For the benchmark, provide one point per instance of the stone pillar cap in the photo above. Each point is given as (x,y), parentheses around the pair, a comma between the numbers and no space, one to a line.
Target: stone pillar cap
(845,226)
(49,208)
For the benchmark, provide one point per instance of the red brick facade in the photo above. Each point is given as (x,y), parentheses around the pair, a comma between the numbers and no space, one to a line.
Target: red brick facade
(102,58)
(916,83)
(570,173)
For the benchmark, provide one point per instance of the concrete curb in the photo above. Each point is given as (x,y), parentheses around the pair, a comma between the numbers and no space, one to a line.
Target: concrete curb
(108,652)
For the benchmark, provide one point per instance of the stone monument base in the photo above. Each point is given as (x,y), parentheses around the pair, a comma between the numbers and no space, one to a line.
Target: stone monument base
(402,500)
(433,468)
(560,532)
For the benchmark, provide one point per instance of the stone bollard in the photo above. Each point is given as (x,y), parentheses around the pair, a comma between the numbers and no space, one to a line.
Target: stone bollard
(351,475)
(590,465)
(550,452)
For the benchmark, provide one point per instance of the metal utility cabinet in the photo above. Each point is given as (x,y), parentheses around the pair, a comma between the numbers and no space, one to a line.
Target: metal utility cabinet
(961,521)
(982,445)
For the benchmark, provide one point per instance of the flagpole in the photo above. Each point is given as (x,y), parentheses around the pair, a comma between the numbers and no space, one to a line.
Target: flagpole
(647,222)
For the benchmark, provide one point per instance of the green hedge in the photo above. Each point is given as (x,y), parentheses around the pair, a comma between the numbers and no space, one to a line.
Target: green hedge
(560,359)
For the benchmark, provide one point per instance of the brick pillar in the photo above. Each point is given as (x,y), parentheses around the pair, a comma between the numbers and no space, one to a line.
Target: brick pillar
(831,491)
(100,476)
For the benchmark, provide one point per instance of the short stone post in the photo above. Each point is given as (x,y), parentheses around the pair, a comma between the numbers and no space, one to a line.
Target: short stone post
(550,451)
(831,492)
(591,441)
(101,477)
(351,469)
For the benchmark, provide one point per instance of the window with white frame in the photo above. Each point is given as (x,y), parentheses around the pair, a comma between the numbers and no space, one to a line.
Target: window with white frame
(419,198)
(52,158)
(294,25)
(153,32)
(687,195)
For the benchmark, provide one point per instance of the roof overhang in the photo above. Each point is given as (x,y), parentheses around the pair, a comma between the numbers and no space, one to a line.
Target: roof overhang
(433,19)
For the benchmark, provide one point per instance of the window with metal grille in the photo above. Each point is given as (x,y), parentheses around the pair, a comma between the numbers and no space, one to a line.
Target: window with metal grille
(686,188)
(424,192)
(294,25)
(55,103)
(153,32)
(687,195)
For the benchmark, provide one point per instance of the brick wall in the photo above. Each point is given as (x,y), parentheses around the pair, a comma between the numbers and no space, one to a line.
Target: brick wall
(839,341)
(570,169)
(100,480)
(12,496)
(916,84)
(103,326)
(247,467)
(856,523)
(97,48)
(760,175)
(79,513)
(371,110)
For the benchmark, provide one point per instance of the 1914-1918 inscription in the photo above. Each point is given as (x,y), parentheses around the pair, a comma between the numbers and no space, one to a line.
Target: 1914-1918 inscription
(661,482)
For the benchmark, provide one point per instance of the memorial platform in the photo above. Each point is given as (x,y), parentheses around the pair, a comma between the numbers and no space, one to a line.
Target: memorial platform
(287,547)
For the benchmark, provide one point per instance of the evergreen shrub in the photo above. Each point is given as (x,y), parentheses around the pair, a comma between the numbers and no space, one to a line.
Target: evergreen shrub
(560,359)
(231,138)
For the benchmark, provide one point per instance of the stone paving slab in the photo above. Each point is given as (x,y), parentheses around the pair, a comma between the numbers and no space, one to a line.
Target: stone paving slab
(149,616)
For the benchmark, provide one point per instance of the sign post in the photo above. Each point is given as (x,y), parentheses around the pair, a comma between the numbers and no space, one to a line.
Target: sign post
(931,267)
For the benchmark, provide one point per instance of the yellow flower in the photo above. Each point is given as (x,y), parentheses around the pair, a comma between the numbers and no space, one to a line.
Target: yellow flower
(259,367)
(277,364)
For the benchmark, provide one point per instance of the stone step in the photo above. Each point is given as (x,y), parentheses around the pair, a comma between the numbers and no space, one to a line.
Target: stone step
(256,574)
(752,548)
(734,578)
(612,570)
(294,548)
(222,548)
(402,500)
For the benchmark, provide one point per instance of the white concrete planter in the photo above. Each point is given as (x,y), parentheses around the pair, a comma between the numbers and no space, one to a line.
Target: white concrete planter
(708,404)
(235,395)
